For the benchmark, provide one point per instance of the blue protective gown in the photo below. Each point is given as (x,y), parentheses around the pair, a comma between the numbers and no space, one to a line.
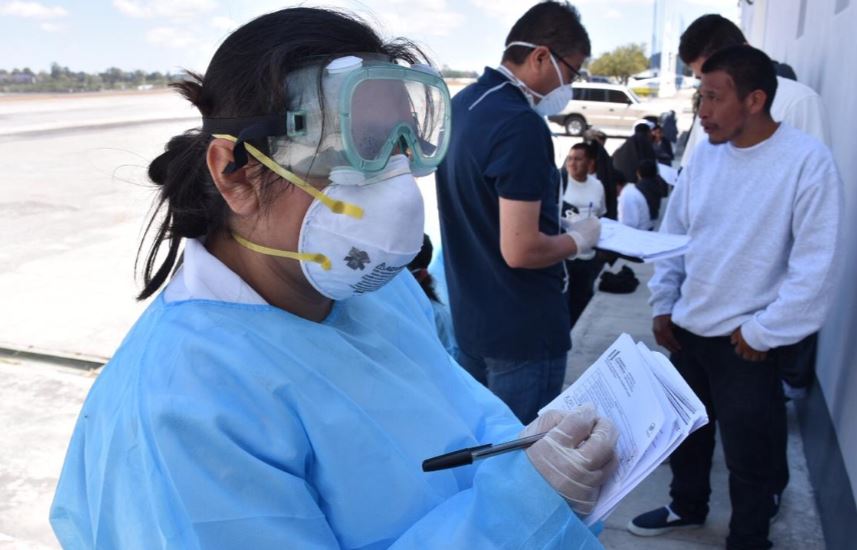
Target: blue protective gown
(222,425)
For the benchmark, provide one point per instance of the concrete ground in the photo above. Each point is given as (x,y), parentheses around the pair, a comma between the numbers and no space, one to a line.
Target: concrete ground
(73,208)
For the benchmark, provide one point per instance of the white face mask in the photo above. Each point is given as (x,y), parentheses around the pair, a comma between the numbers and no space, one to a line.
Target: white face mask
(359,232)
(550,103)
(365,254)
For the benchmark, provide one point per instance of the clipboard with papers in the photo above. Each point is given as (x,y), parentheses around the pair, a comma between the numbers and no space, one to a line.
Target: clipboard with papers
(640,246)
(649,403)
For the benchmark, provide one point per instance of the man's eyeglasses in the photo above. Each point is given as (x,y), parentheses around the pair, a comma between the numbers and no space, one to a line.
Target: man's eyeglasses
(575,74)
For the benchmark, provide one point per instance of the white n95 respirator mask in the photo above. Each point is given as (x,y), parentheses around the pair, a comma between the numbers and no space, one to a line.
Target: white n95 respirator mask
(365,254)
(549,104)
(359,232)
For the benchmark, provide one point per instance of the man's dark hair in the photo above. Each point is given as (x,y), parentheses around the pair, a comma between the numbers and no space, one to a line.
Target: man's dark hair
(647,169)
(707,35)
(553,24)
(750,69)
(587,149)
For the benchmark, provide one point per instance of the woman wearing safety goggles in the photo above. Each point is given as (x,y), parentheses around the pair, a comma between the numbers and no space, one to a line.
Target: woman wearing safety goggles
(285,385)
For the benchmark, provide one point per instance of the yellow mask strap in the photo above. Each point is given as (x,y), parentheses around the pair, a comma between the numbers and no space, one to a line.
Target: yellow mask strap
(335,206)
(307,257)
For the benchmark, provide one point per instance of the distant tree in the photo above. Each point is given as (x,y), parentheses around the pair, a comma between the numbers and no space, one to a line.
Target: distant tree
(60,79)
(621,62)
(112,76)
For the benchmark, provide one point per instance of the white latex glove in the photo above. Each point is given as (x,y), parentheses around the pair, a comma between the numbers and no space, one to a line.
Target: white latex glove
(585,233)
(576,456)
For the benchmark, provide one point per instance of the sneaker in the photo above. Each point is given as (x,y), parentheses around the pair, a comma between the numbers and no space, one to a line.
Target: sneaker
(659,521)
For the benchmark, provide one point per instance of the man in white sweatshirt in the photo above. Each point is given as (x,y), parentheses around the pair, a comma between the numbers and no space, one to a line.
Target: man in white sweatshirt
(761,202)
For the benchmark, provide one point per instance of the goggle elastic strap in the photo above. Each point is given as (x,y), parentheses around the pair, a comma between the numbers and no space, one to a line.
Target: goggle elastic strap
(307,257)
(335,206)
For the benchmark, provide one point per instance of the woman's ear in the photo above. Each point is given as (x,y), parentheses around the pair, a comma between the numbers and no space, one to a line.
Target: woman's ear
(237,190)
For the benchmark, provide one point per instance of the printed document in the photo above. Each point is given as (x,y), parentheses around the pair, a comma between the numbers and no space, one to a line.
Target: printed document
(648,246)
(649,403)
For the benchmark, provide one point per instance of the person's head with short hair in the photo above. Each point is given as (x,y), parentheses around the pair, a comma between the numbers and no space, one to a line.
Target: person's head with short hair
(655,131)
(647,169)
(558,41)
(644,128)
(706,36)
(580,161)
(594,134)
(619,181)
(737,90)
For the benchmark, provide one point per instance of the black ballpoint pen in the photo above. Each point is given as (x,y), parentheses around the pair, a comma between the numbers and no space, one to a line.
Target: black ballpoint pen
(467,456)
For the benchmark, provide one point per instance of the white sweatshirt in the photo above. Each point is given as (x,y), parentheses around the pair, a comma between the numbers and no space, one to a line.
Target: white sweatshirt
(794,103)
(633,208)
(582,194)
(764,224)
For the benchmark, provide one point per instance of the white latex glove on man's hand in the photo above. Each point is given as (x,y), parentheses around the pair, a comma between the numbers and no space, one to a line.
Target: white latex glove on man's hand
(585,233)
(576,456)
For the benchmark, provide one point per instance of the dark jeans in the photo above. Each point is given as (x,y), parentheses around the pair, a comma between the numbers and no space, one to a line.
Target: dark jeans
(746,400)
(581,282)
(525,385)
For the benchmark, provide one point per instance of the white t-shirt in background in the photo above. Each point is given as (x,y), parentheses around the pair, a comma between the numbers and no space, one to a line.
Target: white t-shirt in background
(633,208)
(582,194)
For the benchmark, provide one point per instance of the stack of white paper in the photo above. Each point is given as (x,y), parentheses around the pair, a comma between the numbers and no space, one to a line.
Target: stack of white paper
(649,402)
(648,246)
(668,173)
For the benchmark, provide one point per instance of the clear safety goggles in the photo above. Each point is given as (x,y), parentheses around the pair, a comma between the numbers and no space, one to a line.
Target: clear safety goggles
(355,112)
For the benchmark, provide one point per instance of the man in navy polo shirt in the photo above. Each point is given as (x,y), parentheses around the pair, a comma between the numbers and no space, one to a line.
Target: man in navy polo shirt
(499,200)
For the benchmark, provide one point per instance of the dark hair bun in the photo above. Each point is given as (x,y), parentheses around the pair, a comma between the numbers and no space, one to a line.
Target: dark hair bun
(178,146)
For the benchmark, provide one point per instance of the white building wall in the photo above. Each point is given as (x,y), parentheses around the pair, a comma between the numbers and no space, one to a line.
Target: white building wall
(824,57)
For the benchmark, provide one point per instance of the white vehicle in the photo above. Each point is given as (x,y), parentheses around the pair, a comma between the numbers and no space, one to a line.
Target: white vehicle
(606,106)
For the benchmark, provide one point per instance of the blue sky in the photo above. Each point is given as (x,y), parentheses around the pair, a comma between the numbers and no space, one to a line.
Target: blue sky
(167,35)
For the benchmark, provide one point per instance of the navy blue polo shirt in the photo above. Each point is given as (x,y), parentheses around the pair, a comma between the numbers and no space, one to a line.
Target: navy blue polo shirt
(499,147)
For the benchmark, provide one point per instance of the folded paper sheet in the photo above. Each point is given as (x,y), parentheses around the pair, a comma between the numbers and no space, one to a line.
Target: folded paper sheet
(648,246)
(648,401)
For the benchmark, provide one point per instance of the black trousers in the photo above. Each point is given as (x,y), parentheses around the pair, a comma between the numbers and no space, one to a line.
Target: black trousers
(582,275)
(746,401)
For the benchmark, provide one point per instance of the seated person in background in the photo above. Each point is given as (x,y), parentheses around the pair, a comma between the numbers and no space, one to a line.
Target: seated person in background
(583,193)
(604,170)
(633,208)
(442,317)
(636,148)
(663,147)
(652,187)
(583,197)
(669,127)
